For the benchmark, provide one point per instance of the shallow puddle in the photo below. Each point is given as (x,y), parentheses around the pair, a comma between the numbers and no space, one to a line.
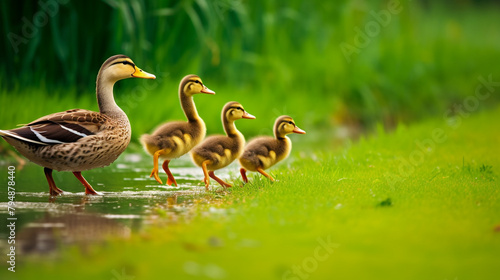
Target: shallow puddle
(129,201)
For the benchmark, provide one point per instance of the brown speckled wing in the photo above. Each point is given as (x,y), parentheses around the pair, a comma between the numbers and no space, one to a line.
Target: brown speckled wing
(88,119)
(58,128)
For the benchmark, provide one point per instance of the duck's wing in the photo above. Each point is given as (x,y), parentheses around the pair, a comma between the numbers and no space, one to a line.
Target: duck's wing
(260,146)
(215,144)
(59,128)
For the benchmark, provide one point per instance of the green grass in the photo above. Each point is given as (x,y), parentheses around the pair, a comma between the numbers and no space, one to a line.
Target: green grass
(437,222)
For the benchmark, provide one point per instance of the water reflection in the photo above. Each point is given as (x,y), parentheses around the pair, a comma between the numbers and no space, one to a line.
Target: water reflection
(130,201)
(54,231)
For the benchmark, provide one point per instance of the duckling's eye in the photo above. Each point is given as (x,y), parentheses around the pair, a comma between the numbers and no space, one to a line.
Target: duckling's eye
(291,123)
(198,82)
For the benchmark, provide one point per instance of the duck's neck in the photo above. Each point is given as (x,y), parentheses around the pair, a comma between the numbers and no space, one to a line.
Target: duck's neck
(278,135)
(230,129)
(283,141)
(106,100)
(189,108)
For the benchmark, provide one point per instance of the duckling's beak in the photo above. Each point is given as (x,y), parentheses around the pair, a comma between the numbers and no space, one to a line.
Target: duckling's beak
(142,74)
(207,90)
(298,130)
(246,115)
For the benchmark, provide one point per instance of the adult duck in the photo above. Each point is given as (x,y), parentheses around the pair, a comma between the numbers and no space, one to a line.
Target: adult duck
(77,140)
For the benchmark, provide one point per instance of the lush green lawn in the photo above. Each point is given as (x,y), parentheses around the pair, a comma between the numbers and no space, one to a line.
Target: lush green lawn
(358,213)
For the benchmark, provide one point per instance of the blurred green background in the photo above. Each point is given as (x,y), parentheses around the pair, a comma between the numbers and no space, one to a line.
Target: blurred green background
(275,57)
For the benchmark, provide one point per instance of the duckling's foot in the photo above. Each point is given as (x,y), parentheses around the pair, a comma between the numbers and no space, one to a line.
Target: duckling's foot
(155,174)
(88,187)
(20,161)
(243,172)
(222,183)
(206,180)
(53,189)
(171,179)
(261,171)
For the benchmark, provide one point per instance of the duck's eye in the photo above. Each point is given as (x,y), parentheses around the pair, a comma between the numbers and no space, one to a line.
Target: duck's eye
(291,123)
(124,63)
(198,82)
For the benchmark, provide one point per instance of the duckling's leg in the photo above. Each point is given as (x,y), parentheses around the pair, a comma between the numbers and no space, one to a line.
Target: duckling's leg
(222,183)
(171,178)
(53,190)
(243,172)
(261,171)
(154,173)
(21,162)
(206,180)
(88,187)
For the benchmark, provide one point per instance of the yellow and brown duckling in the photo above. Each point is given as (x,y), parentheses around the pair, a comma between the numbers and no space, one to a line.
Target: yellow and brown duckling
(265,151)
(218,151)
(174,139)
(78,140)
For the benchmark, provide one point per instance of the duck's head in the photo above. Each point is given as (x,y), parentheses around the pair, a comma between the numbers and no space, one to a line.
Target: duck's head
(192,84)
(285,125)
(120,67)
(234,111)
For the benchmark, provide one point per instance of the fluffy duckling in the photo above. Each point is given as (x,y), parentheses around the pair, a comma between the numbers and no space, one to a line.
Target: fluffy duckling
(218,151)
(174,139)
(265,151)
(78,140)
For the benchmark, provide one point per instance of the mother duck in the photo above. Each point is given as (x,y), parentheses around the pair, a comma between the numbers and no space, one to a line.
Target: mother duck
(77,140)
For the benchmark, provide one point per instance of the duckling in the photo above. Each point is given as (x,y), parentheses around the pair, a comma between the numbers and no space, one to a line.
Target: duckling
(77,140)
(218,151)
(265,151)
(174,139)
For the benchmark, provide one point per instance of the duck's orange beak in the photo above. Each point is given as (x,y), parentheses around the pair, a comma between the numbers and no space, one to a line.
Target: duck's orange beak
(298,130)
(139,73)
(246,115)
(207,90)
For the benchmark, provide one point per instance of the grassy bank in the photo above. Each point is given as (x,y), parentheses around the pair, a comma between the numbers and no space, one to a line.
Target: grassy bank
(420,203)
